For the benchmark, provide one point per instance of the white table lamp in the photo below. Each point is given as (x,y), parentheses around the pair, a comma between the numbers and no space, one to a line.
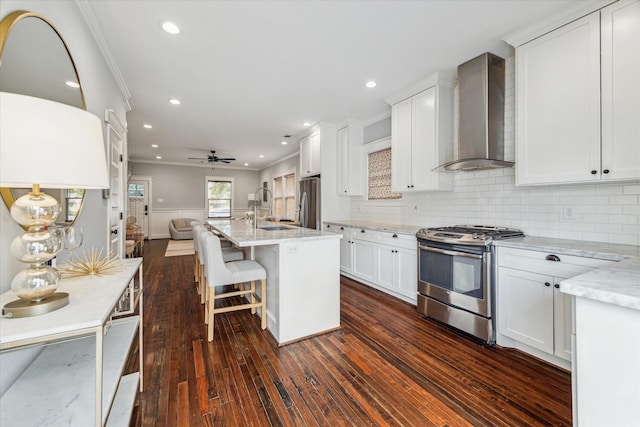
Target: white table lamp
(53,145)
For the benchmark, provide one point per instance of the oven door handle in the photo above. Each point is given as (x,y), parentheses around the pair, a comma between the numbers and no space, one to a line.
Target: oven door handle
(452,253)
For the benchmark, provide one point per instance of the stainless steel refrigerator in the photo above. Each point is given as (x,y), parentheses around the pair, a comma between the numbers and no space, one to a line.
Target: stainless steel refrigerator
(309,199)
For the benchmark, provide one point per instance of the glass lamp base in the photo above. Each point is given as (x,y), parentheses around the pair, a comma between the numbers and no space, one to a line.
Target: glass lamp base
(26,308)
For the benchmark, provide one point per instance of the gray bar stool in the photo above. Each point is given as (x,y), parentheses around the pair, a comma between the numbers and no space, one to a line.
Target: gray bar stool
(220,274)
(228,254)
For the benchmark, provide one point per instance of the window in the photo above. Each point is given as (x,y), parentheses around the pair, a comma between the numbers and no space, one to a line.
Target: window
(73,202)
(136,191)
(219,197)
(379,176)
(284,196)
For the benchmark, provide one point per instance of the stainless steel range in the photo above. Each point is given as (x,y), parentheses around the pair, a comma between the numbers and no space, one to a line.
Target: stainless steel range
(455,282)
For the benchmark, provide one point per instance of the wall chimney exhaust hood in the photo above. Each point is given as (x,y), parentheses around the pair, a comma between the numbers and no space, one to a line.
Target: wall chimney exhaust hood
(481,115)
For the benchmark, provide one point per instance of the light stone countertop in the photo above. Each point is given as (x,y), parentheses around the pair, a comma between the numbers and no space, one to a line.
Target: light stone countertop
(617,283)
(378,226)
(242,234)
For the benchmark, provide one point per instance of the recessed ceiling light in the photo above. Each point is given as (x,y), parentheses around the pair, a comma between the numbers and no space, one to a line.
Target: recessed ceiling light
(284,143)
(261,155)
(154,145)
(170,27)
(158,157)
(246,164)
(174,101)
(146,126)
(306,124)
(370,84)
(72,84)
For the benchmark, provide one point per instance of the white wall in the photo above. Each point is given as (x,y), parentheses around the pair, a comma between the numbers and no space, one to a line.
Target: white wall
(604,212)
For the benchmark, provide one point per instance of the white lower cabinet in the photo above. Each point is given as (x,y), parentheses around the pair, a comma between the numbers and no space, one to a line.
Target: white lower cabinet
(384,260)
(364,256)
(533,315)
(346,246)
(396,270)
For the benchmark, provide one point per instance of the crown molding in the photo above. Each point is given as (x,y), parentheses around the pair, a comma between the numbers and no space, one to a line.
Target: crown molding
(537,29)
(89,16)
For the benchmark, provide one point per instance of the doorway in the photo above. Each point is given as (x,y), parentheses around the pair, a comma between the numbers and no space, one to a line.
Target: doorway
(139,207)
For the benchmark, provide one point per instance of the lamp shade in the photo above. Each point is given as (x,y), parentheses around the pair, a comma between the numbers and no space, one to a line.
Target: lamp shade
(50,144)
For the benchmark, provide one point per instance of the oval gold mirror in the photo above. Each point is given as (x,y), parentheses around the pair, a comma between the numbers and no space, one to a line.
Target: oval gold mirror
(35,61)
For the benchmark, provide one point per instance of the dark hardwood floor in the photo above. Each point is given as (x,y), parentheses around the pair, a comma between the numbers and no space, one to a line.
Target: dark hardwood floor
(386,366)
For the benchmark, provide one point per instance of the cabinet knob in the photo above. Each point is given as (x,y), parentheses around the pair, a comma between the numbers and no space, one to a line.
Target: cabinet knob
(341,228)
(362,231)
(557,286)
(553,258)
(114,231)
(395,236)
(408,186)
(547,284)
(593,172)
(605,171)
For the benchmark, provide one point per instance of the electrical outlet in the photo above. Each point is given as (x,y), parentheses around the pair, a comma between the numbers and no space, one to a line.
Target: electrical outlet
(569,213)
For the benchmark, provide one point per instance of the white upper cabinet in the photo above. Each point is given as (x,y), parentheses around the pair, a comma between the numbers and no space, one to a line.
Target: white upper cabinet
(310,155)
(350,160)
(565,90)
(620,29)
(422,139)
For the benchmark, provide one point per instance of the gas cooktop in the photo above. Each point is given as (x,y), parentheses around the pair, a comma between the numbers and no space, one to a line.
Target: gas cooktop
(468,234)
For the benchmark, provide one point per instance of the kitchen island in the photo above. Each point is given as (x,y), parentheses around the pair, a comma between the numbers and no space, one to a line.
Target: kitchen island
(303,275)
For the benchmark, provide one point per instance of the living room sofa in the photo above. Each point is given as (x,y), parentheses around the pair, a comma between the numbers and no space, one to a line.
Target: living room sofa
(180,228)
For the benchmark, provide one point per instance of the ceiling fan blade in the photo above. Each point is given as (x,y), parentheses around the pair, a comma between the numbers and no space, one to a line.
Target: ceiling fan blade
(226,158)
(223,161)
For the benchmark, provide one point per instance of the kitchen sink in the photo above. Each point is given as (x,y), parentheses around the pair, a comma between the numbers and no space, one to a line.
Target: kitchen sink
(275,228)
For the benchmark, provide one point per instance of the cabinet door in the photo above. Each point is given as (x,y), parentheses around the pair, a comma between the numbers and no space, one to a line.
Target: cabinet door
(346,250)
(364,255)
(562,321)
(423,154)
(386,266)
(621,91)
(407,272)
(401,146)
(526,307)
(315,160)
(305,156)
(343,161)
(558,105)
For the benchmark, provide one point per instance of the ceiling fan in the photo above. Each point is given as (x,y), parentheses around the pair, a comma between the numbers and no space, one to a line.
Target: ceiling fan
(212,158)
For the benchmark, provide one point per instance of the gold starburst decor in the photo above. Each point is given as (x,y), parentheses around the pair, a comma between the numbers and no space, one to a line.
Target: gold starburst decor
(92,263)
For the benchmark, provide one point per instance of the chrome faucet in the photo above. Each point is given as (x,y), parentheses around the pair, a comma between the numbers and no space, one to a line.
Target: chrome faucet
(255,206)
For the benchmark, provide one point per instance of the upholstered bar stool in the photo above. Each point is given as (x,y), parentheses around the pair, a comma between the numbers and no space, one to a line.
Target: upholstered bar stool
(228,254)
(196,261)
(220,274)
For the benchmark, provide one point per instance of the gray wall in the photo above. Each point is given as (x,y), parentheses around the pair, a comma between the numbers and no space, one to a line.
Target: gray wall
(183,187)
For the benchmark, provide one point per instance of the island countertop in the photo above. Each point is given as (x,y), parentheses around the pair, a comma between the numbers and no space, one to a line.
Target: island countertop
(241,234)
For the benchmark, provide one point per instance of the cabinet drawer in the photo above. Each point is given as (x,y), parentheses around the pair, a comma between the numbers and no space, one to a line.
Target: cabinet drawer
(555,264)
(398,240)
(386,238)
(345,231)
